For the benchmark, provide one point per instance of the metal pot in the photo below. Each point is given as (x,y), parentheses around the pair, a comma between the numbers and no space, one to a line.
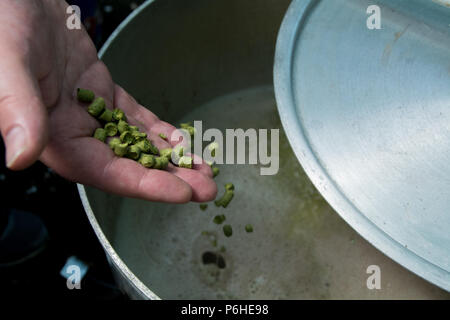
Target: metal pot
(213,61)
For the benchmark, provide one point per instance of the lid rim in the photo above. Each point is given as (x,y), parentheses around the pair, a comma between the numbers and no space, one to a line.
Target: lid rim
(287,37)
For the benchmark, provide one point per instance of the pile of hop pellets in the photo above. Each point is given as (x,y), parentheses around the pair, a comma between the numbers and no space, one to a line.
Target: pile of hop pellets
(127,140)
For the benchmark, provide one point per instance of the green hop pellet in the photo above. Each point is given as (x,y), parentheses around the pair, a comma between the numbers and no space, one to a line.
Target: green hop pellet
(188,128)
(161,163)
(225,200)
(185,162)
(203,206)
(227,230)
(219,219)
(147,160)
(167,152)
(121,149)
(185,125)
(122,126)
(84,95)
(153,148)
(133,128)
(163,136)
(106,116)
(111,129)
(126,137)
(138,136)
(178,151)
(164,162)
(212,147)
(229,186)
(144,145)
(96,107)
(190,131)
(157,164)
(118,115)
(249,228)
(215,171)
(114,142)
(134,152)
(100,134)
(147,147)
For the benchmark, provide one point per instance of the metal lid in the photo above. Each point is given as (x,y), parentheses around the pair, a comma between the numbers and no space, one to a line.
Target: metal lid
(367,112)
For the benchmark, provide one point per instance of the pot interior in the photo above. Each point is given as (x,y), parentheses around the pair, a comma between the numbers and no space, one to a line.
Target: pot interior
(212,61)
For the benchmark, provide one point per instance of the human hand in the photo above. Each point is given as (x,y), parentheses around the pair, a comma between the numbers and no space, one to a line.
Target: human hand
(42,65)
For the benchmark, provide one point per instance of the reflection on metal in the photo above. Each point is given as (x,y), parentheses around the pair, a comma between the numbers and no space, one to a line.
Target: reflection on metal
(367,114)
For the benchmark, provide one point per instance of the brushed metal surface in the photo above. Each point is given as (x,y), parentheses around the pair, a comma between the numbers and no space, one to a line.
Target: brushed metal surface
(213,60)
(367,113)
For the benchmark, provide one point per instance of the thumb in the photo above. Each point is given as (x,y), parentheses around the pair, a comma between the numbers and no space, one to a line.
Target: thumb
(23,116)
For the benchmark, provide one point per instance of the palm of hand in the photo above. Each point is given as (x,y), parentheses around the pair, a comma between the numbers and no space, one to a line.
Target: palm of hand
(65,60)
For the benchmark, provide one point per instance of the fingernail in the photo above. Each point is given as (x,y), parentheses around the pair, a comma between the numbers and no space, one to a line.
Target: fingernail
(16,144)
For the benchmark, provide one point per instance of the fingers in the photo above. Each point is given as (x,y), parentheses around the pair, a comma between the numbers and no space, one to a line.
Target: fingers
(128,178)
(93,163)
(202,166)
(203,187)
(23,117)
(200,179)
(90,80)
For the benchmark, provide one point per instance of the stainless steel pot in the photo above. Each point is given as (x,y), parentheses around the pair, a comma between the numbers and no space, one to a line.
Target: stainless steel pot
(212,61)
(366,111)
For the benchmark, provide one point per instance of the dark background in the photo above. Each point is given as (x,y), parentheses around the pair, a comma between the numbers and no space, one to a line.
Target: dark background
(39,190)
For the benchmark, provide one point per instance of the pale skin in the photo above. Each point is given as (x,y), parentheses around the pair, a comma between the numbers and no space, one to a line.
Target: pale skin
(42,64)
